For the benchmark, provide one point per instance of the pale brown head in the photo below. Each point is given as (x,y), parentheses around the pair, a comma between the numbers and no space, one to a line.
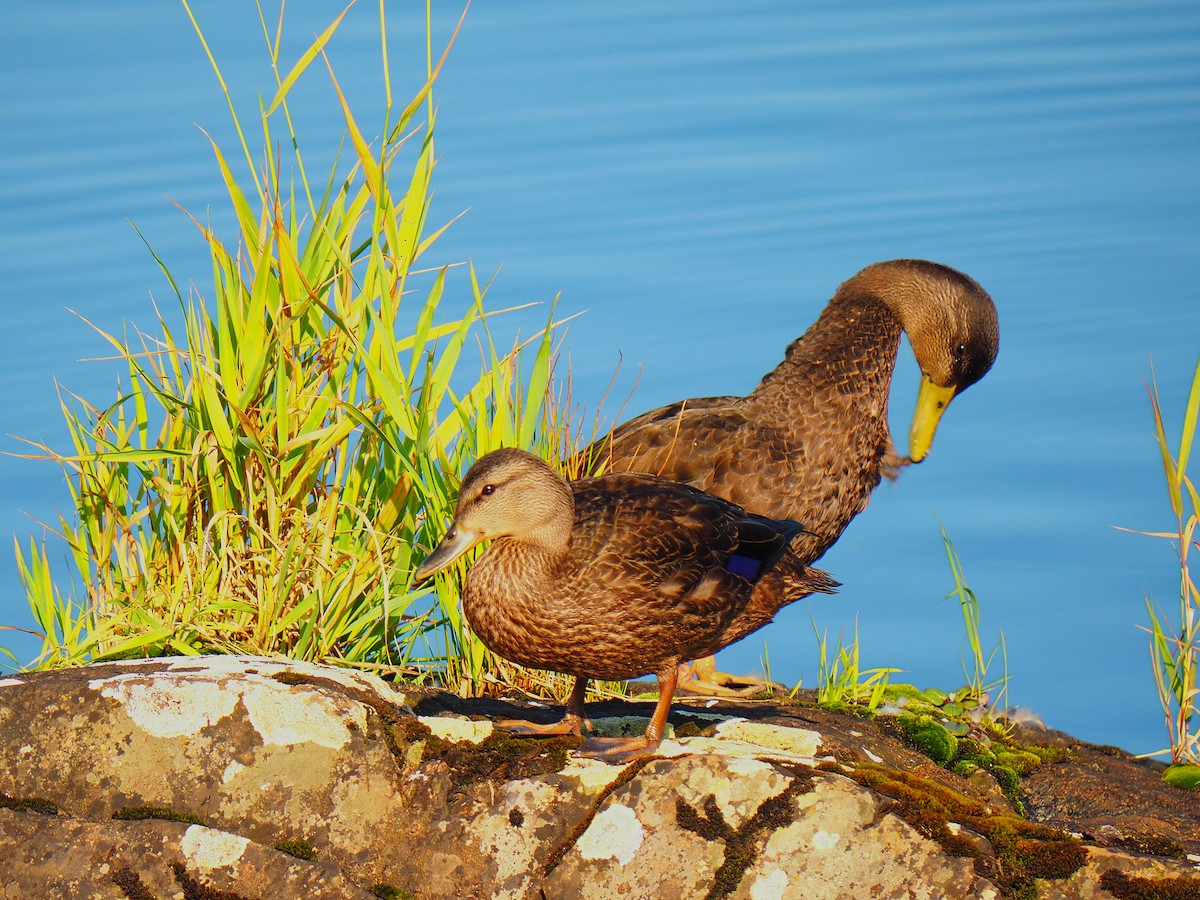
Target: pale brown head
(951,323)
(507,493)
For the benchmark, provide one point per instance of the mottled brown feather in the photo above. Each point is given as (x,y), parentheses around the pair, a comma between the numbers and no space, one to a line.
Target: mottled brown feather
(631,578)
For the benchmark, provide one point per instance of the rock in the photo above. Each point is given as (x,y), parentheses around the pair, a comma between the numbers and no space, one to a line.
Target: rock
(181,777)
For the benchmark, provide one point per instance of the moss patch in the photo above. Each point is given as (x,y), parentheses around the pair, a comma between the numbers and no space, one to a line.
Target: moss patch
(505,757)
(929,737)
(28,804)
(298,848)
(1131,887)
(411,742)
(1024,851)
(387,892)
(742,846)
(195,889)
(131,884)
(1151,845)
(1022,762)
(139,813)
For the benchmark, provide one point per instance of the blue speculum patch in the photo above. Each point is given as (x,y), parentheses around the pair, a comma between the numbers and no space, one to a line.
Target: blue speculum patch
(744,566)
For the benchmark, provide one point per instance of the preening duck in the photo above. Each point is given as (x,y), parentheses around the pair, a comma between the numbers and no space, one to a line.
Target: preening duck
(812,441)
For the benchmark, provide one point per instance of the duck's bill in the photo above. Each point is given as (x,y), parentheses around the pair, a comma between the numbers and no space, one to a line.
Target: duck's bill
(932,400)
(456,542)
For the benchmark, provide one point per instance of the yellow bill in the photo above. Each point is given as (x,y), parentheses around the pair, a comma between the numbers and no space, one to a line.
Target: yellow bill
(932,401)
(456,542)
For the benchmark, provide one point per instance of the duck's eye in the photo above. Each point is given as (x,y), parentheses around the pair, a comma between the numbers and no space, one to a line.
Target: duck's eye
(488,490)
(960,349)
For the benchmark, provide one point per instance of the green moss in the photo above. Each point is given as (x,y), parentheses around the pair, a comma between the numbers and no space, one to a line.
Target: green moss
(1008,781)
(1153,846)
(1022,762)
(411,742)
(1131,887)
(28,804)
(387,892)
(298,848)
(903,692)
(291,678)
(974,748)
(139,813)
(930,738)
(1049,859)
(1024,851)
(1050,754)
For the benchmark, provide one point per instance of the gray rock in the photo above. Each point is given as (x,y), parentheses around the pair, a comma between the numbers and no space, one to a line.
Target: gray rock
(228,758)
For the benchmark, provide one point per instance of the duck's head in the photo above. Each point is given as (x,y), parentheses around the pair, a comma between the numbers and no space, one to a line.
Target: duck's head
(951,324)
(507,493)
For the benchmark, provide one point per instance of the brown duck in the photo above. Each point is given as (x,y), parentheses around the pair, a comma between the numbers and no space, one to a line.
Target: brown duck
(811,442)
(613,578)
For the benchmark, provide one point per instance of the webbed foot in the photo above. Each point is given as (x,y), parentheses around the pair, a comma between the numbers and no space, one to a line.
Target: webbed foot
(568,724)
(619,750)
(701,676)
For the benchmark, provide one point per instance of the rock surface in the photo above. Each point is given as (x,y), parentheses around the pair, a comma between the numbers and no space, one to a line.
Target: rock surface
(230,777)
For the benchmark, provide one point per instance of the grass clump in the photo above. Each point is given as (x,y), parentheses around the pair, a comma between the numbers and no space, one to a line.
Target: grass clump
(842,683)
(272,470)
(1175,647)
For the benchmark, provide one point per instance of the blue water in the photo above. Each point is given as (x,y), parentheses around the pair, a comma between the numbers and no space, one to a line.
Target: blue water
(699,177)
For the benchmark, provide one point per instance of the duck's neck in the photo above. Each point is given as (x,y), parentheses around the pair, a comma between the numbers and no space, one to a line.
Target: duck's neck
(845,358)
(826,406)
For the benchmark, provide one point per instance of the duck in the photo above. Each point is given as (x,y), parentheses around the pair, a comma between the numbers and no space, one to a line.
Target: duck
(811,441)
(612,578)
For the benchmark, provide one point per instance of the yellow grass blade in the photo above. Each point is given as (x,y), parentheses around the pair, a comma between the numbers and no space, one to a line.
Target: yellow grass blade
(303,62)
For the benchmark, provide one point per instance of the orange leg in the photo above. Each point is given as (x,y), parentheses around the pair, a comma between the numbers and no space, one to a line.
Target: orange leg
(624,749)
(572,722)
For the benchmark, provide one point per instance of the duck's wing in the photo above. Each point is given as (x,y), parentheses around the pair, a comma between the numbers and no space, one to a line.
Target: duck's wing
(665,441)
(671,546)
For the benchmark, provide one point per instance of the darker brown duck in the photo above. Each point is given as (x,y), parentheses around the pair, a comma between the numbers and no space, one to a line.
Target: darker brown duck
(613,578)
(812,441)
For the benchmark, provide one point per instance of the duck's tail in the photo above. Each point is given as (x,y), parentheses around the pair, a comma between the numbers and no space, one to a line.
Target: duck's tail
(813,581)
